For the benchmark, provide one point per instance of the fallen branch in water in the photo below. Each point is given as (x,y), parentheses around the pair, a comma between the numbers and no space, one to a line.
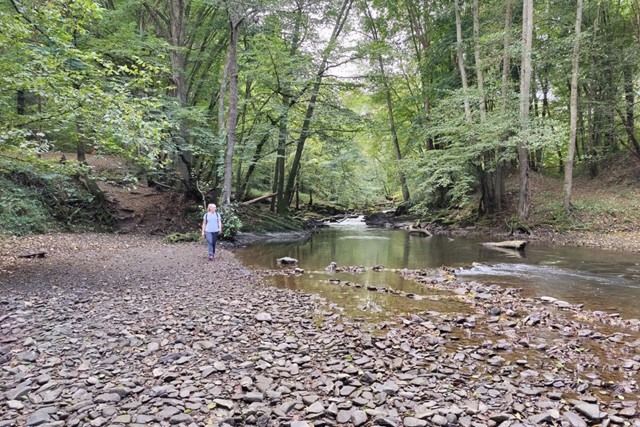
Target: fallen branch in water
(420,231)
(511,244)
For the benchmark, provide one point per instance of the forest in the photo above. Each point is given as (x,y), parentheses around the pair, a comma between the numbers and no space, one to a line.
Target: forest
(429,104)
(470,128)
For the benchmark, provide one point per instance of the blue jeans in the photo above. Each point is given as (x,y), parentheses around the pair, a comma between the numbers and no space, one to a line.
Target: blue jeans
(211,237)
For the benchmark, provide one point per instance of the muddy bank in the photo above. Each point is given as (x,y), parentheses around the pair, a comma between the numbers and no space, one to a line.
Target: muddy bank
(127,331)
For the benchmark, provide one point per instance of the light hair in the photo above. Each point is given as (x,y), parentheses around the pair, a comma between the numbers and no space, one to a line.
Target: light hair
(211,205)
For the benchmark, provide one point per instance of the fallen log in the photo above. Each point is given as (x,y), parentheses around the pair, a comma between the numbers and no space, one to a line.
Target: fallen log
(257,199)
(510,244)
(518,253)
(419,231)
(33,255)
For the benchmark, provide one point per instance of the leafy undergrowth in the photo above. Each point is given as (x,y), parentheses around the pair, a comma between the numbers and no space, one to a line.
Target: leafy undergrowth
(605,204)
(608,202)
(36,198)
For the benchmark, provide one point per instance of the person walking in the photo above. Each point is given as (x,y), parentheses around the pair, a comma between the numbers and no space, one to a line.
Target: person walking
(211,227)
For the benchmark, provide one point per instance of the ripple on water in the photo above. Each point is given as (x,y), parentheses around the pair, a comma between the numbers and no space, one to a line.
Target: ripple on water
(364,238)
(544,272)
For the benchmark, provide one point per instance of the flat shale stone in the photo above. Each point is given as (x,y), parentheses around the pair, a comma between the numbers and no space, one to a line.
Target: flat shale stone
(343,417)
(39,417)
(574,419)
(181,419)
(359,418)
(413,422)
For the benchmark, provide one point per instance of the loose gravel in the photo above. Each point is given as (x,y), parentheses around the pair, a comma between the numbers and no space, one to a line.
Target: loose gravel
(110,330)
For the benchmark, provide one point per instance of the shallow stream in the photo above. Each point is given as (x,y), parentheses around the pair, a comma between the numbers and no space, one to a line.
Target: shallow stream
(600,279)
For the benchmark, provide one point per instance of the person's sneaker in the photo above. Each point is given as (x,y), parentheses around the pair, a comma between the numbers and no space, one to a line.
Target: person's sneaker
(210,257)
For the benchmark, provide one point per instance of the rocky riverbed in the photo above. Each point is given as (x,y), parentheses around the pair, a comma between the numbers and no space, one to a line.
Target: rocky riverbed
(112,330)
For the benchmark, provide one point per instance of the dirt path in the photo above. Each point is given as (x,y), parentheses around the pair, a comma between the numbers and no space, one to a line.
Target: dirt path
(123,330)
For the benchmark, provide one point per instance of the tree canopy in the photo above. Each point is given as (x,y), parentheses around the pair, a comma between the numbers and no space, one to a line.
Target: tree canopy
(430,103)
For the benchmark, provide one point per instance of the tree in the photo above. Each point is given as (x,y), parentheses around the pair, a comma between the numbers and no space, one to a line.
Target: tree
(499,188)
(79,93)
(235,20)
(340,21)
(172,26)
(375,35)
(189,27)
(460,55)
(575,61)
(476,53)
(419,19)
(524,197)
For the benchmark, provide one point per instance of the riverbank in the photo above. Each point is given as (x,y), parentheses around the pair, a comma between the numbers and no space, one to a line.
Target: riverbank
(123,330)
(628,241)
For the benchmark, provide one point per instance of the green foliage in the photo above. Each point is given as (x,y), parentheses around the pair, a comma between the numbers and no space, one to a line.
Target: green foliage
(67,91)
(21,210)
(182,237)
(75,73)
(231,223)
(37,200)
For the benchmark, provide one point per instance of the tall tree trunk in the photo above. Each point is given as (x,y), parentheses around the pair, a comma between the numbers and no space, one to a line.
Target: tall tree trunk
(172,23)
(235,20)
(341,20)
(184,158)
(280,201)
(221,128)
(537,156)
(506,56)
(595,116)
(463,73)
(524,199)
(252,166)
(628,117)
(392,125)
(546,111)
(418,12)
(21,102)
(288,100)
(476,54)
(506,67)
(573,111)
(222,95)
(394,132)
(485,166)
(243,132)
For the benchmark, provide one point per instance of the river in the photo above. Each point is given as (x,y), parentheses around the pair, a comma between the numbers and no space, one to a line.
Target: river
(604,280)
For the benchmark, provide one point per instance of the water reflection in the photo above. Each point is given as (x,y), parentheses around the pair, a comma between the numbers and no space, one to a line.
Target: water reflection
(372,306)
(602,280)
